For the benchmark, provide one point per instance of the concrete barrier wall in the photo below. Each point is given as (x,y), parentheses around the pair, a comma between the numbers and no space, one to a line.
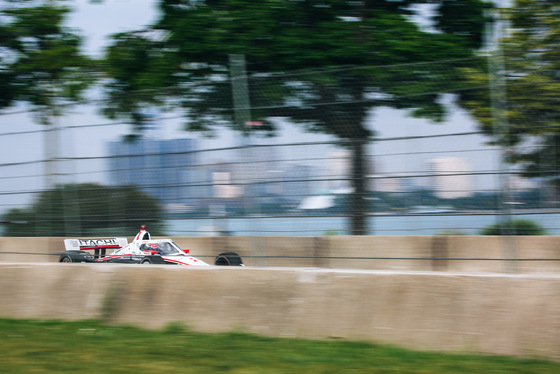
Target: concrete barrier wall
(423,253)
(516,315)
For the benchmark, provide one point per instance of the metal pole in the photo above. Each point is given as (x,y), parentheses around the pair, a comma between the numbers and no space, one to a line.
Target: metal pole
(498,98)
(240,91)
(242,115)
(242,110)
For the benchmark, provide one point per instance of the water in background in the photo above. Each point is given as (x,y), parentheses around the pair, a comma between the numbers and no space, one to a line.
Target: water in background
(317,226)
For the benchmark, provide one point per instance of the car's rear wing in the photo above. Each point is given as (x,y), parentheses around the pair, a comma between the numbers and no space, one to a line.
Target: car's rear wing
(95,244)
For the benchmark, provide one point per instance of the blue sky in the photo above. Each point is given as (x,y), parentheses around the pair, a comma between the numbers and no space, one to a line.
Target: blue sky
(99,20)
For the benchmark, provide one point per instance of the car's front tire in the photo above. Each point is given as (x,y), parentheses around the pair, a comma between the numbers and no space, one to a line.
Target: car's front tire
(152,260)
(228,259)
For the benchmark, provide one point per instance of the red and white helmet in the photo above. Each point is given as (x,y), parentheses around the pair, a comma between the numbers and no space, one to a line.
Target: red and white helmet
(143,234)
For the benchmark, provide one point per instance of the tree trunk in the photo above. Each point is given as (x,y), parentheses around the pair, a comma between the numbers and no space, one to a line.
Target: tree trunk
(358,202)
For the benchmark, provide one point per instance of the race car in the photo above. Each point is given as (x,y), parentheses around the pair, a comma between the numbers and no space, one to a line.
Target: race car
(142,250)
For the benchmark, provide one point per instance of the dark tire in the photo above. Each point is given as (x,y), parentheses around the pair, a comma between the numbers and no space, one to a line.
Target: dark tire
(74,256)
(65,258)
(228,259)
(152,260)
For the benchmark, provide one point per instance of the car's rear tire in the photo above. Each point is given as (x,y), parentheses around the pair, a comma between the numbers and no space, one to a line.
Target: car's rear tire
(65,258)
(75,256)
(228,259)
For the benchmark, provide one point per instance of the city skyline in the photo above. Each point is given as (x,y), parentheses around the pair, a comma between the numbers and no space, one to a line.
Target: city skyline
(184,178)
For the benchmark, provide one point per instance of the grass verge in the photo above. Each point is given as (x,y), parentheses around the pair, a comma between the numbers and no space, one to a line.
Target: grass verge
(31,346)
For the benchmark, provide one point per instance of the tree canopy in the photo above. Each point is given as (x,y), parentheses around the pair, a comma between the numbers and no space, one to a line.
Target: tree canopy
(182,55)
(41,62)
(530,81)
(85,210)
(310,61)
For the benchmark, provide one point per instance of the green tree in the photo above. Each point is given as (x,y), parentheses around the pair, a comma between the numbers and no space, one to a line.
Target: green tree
(326,46)
(42,66)
(86,210)
(41,63)
(527,109)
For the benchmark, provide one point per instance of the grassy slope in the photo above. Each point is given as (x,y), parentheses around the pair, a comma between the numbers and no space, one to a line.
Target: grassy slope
(92,347)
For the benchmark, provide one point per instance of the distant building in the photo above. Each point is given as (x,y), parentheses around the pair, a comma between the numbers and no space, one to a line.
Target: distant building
(516,183)
(337,171)
(223,187)
(296,184)
(255,167)
(160,168)
(450,177)
(391,183)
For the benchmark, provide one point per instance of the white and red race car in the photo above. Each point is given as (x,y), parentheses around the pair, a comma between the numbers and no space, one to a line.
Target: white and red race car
(142,250)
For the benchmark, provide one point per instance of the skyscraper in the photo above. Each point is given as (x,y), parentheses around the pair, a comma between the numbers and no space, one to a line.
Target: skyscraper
(449,177)
(160,168)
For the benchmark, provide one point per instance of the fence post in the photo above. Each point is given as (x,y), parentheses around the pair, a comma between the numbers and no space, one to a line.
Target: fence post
(501,128)
(242,110)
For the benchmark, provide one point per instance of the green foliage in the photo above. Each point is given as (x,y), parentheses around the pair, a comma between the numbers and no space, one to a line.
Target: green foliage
(41,61)
(92,347)
(463,18)
(86,210)
(514,227)
(185,60)
(526,91)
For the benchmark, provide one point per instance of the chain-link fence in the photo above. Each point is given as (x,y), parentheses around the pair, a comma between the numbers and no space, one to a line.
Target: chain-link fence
(280,175)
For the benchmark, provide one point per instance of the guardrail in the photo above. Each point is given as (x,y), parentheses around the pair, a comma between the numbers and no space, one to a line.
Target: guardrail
(519,254)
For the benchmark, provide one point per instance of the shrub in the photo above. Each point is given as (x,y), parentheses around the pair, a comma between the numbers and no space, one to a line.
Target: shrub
(514,227)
